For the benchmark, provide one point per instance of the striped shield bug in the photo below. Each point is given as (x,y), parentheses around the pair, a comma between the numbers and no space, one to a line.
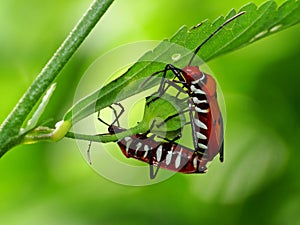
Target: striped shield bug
(204,114)
(155,150)
(204,111)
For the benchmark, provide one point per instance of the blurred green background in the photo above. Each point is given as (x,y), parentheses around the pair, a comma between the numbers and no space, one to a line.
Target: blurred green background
(51,183)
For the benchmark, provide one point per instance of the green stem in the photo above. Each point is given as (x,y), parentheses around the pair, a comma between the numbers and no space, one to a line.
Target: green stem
(49,134)
(10,128)
(104,138)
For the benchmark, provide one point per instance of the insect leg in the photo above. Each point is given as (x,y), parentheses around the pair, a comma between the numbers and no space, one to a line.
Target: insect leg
(150,156)
(116,120)
(169,67)
(194,131)
(163,88)
(221,152)
(117,115)
(177,73)
(88,153)
(153,172)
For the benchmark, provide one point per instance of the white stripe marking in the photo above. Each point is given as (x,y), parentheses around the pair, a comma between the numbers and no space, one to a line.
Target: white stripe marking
(201,136)
(169,157)
(127,138)
(197,101)
(178,160)
(201,78)
(197,90)
(202,146)
(200,124)
(196,81)
(146,148)
(198,109)
(195,162)
(128,143)
(159,153)
(138,146)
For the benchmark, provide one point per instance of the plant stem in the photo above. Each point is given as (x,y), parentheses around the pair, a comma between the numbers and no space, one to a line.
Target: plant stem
(10,128)
(104,138)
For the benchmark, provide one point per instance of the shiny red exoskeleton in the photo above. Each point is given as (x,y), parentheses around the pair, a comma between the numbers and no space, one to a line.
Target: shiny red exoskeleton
(205,114)
(205,119)
(167,155)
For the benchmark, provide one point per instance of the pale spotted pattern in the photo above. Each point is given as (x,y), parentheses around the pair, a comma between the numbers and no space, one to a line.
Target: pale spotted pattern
(199,99)
(138,146)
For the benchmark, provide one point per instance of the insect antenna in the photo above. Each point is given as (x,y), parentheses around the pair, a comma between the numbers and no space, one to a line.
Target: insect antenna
(115,121)
(213,34)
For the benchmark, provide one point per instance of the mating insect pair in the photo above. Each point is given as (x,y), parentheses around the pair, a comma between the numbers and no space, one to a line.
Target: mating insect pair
(205,119)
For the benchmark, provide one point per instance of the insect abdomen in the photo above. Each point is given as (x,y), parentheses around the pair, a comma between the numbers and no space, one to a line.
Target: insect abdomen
(167,155)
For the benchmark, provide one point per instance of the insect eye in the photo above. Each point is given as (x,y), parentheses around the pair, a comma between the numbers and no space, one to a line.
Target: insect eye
(195,76)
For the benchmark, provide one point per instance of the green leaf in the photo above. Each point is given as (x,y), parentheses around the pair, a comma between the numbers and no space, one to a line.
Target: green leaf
(163,112)
(256,23)
(161,117)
